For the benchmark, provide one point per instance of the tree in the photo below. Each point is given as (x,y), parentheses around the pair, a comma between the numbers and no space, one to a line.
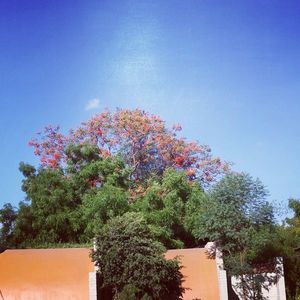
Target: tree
(240,220)
(8,217)
(65,206)
(24,234)
(142,140)
(171,203)
(294,222)
(235,208)
(98,171)
(131,262)
(70,205)
(54,206)
(289,243)
(109,201)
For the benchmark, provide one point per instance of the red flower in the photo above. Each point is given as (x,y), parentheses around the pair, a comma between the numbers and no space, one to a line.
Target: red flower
(57,155)
(52,163)
(179,160)
(99,132)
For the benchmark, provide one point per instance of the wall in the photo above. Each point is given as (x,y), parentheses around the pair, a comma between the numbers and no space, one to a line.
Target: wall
(51,274)
(45,274)
(200,271)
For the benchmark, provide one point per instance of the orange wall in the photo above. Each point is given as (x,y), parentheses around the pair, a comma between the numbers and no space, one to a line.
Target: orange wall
(200,273)
(45,274)
(61,274)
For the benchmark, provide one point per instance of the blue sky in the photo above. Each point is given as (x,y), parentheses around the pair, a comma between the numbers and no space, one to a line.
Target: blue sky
(228,71)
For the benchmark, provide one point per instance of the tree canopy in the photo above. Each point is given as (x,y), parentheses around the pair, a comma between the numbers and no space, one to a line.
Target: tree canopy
(241,222)
(130,259)
(143,141)
(141,188)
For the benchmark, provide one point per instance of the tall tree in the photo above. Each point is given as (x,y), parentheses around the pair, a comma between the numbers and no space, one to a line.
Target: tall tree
(101,169)
(145,144)
(240,220)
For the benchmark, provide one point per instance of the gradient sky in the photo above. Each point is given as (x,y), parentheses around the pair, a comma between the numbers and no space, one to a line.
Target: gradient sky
(228,71)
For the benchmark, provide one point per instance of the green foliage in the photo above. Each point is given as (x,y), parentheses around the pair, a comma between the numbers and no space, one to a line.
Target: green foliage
(127,254)
(23,232)
(129,292)
(239,219)
(8,217)
(289,241)
(54,207)
(71,205)
(294,222)
(94,170)
(170,203)
(237,209)
(109,201)
(66,206)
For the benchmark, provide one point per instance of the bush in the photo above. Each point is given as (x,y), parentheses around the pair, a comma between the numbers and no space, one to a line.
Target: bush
(132,264)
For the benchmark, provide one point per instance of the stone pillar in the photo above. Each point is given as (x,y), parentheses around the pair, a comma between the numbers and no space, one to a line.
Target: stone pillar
(222,276)
(92,286)
(213,250)
(93,278)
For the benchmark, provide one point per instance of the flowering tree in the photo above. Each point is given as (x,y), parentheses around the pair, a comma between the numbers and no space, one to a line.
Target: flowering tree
(146,145)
